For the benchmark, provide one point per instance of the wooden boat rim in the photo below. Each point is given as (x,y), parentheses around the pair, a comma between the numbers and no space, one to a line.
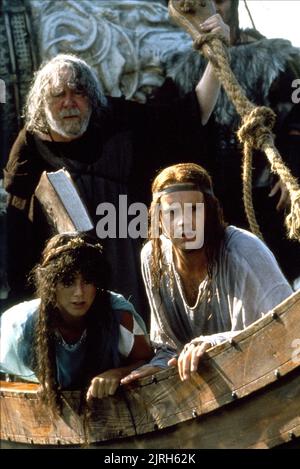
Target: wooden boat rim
(257,359)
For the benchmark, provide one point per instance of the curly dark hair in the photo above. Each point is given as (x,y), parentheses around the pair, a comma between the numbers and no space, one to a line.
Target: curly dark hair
(64,256)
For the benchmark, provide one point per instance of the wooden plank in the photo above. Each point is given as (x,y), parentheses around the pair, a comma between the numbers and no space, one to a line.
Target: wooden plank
(261,355)
(264,419)
(260,361)
(23,420)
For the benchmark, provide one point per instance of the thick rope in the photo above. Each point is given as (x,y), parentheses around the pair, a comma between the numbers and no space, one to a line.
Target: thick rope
(255,133)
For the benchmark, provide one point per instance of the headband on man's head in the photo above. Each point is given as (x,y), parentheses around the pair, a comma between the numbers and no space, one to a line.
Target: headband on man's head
(186,186)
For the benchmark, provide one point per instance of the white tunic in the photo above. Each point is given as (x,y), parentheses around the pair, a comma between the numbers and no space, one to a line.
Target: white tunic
(246,283)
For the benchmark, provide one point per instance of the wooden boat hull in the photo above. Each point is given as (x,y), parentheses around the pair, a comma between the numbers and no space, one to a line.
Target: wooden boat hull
(245,395)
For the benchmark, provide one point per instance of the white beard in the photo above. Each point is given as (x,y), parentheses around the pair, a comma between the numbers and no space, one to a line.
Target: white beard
(70,128)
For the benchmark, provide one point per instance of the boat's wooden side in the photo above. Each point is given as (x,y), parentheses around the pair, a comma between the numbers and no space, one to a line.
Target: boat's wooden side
(260,355)
(264,419)
(246,394)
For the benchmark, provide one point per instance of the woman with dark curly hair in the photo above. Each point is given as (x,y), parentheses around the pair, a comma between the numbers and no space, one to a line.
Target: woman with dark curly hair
(77,334)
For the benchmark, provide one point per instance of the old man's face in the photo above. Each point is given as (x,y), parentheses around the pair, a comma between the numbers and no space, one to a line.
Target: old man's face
(67,108)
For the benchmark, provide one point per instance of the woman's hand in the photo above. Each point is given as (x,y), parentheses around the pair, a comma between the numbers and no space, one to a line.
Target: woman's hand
(189,358)
(105,384)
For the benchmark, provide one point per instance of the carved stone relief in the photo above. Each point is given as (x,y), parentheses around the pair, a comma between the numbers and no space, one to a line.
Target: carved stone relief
(125,41)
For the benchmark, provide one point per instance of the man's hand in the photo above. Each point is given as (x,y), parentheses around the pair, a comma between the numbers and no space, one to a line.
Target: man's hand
(105,384)
(215,24)
(284,200)
(140,373)
(207,90)
(189,358)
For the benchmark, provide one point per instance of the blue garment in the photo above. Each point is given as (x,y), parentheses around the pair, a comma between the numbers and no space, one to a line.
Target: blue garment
(17,333)
(70,362)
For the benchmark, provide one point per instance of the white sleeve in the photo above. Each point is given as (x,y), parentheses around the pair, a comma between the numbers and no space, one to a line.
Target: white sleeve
(127,337)
(254,282)
(259,285)
(159,335)
(12,323)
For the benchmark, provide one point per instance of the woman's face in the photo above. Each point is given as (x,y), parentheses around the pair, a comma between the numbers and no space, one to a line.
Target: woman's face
(75,298)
